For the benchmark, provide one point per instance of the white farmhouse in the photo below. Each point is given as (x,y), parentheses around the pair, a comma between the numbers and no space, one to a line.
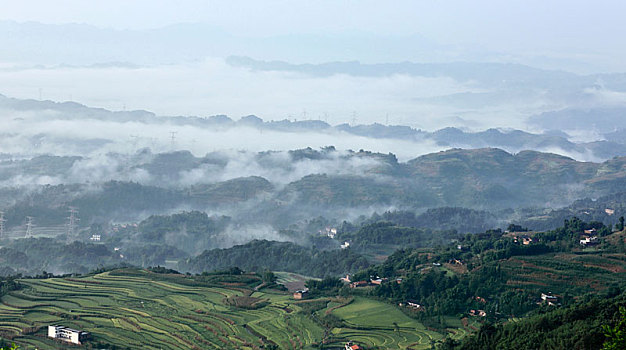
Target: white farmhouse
(68,334)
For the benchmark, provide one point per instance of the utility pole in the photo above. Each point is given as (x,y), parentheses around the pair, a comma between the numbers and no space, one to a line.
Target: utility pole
(2,221)
(29,226)
(72,221)
(173,133)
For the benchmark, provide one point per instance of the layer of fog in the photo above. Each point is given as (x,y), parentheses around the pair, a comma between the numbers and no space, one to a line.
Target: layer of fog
(213,87)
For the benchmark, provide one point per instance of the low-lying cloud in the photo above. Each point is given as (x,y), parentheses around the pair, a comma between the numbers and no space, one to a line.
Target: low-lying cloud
(213,87)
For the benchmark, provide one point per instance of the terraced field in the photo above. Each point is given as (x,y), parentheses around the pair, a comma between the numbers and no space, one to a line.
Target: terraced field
(138,309)
(373,323)
(577,273)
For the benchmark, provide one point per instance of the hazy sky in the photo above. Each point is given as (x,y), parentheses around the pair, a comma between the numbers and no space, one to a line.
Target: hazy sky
(574,28)
(581,36)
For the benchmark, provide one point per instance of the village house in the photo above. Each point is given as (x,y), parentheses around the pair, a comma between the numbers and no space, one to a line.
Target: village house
(609,211)
(525,240)
(351,346)
(346,279)
(549,298)
(593,231)
(378,280)
(455,262)
(359,284)
(589,241)
(67,334)
(412,304)
(479,313)
(300,294)
(331,232)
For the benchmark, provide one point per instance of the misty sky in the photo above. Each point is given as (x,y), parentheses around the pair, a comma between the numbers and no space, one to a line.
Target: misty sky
(578,30)
(580,36)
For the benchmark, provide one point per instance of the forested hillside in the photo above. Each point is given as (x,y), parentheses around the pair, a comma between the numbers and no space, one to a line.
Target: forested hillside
(260,255)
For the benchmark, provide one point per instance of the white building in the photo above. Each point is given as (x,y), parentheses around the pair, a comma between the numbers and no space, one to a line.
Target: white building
(589,240)
(68,334)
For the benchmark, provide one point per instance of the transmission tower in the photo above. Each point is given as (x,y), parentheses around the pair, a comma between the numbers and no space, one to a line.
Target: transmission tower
(29,226)
(2,221)
(72,222)
(173,134)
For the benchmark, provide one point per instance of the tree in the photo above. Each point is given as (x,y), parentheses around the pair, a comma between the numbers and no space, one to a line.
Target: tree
(620,226)
(268,276)
(13,347)
(616,335)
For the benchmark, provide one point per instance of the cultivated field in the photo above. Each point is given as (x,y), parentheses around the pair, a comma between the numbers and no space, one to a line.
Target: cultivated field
(578,273)
(138,309)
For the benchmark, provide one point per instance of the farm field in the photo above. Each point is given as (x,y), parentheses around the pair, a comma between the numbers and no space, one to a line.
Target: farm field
(292,281)
(384,326)
(137,309)
(577,273)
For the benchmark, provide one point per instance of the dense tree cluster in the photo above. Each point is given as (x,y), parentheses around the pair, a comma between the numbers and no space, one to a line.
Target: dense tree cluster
(259,255)
(579,326)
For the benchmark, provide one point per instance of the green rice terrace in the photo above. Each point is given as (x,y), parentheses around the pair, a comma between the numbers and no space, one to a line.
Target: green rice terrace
(138,309)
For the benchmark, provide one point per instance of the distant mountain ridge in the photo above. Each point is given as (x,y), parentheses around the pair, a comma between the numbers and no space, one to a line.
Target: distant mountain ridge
(481,179)
(510,140)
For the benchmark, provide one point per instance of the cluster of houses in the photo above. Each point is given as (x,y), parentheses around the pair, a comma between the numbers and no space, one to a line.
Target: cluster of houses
(525,240)
(373,281)
(589,237)
(329,231)
(478,313)
(68,334)
(352,346)
(549,299)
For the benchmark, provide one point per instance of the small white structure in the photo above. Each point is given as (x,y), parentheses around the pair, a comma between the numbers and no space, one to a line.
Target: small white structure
(609,211)
(549,299)
(589,240)
(345,245)
(329,231)
(68,334)
(95,238)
